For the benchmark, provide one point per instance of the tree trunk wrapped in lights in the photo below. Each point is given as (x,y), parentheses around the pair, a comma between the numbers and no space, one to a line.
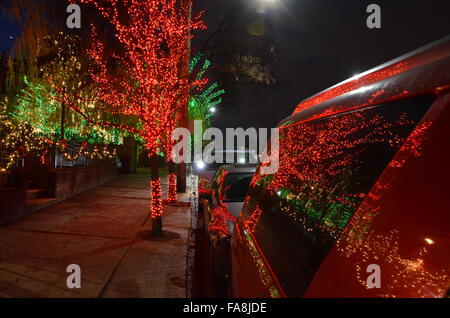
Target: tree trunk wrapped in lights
(143,79)
(172,191)
(157,208)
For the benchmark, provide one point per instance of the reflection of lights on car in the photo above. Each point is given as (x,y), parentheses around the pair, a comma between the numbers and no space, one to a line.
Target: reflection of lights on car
(429,241)
(200,164)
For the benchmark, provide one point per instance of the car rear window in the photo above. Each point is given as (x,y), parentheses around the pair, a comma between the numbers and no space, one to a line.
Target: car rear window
(326,169)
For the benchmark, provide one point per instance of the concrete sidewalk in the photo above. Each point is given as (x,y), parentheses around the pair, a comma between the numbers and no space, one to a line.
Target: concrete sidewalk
(106,232)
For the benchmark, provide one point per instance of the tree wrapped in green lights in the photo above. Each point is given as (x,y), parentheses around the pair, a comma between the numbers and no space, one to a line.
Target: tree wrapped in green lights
(38,105)
(201,104)
(41,58)
(43,107)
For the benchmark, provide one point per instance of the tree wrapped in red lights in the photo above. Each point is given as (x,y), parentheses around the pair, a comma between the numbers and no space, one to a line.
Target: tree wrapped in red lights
(174,120)
(144,78)
(167,145)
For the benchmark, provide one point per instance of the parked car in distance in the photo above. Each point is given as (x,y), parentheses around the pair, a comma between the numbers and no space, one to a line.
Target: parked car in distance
(228,191)
(359,206)
(206,169)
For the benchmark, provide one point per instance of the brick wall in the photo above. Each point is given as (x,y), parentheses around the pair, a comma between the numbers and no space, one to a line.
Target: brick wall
(69,181)
(62,184)
(12,203)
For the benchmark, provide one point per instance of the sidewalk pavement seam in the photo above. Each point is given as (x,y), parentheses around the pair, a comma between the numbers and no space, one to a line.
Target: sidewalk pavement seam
(73,233)
(114,270)
(111,276)
(21,275)
(125,197)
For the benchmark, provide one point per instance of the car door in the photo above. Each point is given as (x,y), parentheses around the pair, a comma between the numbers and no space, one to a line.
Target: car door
(210,205)
(293,218)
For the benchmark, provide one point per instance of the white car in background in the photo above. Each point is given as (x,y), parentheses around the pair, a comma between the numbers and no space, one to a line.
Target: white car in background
(206,170)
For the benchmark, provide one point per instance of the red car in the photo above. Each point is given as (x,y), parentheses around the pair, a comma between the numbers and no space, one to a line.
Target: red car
(360,204)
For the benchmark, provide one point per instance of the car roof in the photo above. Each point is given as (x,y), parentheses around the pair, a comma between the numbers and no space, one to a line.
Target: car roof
(252,153)
(234,150)
(239,168)
(418,72)
(231,149)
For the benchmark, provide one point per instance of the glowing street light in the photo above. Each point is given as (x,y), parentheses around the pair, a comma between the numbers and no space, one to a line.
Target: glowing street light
(262,6)
(267,2)
(429,241)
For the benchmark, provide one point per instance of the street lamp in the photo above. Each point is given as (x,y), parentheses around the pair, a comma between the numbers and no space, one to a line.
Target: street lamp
(267,2)
(262,6)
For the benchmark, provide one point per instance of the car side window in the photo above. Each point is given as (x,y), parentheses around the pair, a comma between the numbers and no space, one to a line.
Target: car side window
(327,167)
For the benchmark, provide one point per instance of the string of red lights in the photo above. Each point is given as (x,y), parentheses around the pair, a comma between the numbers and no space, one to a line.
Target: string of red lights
(146,81)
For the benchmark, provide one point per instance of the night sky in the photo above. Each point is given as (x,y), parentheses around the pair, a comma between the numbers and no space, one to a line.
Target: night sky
(318,44)
(323,42)
(7,29)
